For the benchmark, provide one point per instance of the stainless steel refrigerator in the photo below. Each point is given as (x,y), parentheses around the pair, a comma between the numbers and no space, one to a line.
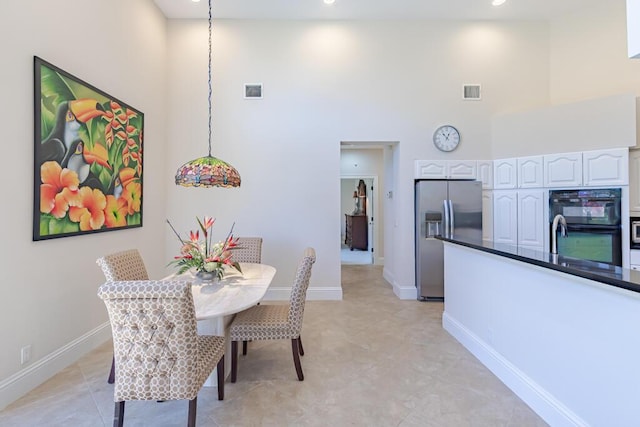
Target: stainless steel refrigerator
(443,208)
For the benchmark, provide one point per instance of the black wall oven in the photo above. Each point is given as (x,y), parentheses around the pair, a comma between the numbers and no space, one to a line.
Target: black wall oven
(594,223)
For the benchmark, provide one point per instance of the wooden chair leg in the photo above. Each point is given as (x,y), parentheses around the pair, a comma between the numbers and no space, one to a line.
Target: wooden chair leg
(234,360)
(244,348)
(112,374)
(193,404)
(118,414)
(221,378)
(296,357)
(300,349)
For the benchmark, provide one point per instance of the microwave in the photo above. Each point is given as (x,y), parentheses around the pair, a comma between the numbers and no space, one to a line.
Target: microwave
(635,232)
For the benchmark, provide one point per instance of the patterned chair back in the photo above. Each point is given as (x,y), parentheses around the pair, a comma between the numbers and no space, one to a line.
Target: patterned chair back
(299,290)
(154,338)
(249,250)
(124,265)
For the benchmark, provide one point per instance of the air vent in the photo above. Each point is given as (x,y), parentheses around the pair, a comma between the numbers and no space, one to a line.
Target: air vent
(471,92)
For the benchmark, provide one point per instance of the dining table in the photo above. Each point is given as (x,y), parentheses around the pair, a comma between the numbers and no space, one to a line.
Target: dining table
(216,302)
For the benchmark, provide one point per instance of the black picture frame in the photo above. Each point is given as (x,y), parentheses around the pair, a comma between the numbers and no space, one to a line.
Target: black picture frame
(88,164)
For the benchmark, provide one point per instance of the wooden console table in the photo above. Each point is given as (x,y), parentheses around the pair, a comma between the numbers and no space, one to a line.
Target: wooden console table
(356,232)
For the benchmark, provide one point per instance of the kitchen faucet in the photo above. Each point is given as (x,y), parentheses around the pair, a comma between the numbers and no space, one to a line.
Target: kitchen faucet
(558,219)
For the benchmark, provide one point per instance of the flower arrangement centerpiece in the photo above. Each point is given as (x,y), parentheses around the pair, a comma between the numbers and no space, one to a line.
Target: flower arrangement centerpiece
(205,257)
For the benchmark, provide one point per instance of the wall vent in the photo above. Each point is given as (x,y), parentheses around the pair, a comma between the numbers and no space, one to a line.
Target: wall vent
(471,92)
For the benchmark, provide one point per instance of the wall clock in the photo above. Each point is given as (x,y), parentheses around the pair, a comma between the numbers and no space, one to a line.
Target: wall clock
(446,138)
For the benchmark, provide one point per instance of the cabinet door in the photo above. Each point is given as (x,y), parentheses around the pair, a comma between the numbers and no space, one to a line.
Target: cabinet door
(485,173)
(505,217)
(461,169)
(505,173)
(606,167)
(531,226)
(487,215)
(634,181)
(431,169)
(563,170)
(530,172)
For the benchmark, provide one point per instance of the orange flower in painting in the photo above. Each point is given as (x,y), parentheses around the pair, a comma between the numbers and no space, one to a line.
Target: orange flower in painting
(115,214)
(88,209)
(59,187)
(132,194)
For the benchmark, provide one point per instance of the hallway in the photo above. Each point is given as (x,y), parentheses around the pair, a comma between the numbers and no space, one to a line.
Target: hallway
(370,360)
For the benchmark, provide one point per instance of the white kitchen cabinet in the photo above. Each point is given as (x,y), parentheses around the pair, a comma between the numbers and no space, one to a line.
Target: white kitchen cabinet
(634,259)
(505,174)
(633,28)
(430,169)
(634,181)
(445,169)
(563,170)
(531,225)
(605,167)
(487,215)
(485,173)
(529,172)
(518,217)
(505,216)
(461,169)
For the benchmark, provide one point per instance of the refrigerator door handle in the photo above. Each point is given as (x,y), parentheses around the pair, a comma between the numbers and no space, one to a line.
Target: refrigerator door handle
(451,221)
(445,225)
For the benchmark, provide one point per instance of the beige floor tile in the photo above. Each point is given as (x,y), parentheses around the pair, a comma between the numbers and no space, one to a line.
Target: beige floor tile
(370,360)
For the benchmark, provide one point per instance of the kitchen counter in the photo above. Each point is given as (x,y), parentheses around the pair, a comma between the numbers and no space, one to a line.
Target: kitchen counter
(598,271)
(562,333)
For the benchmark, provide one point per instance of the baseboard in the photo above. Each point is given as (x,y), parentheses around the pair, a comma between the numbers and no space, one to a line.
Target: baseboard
(282,293)
(402,292)
(25,380)
(542,402)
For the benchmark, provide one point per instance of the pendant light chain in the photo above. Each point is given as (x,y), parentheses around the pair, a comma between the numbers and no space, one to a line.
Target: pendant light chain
(210,91)
(208,171)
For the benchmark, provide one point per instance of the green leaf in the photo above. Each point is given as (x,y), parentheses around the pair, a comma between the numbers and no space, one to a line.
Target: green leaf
(134,219)
(53,85)
(63,225)
(236,265)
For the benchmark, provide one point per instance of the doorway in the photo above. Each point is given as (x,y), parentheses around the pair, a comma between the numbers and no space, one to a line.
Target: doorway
(363,162)
(357,195)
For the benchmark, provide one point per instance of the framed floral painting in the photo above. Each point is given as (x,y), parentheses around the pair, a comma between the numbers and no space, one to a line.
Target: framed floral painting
(87,157)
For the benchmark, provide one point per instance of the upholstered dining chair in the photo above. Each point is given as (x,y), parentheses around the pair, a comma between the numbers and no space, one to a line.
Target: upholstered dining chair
(249,250)
(269,322)
(123,265)
(159,354)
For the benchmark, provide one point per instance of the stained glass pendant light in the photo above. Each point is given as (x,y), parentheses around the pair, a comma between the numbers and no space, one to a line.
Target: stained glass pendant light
(208,171)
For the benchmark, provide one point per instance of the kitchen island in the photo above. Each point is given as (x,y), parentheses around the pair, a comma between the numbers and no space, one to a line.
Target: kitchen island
(562,333)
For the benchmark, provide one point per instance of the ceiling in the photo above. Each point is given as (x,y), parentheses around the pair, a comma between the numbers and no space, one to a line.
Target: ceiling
(373,9)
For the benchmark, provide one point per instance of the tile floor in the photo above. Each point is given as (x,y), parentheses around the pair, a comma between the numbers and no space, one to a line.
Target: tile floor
(355,256)
(370,360)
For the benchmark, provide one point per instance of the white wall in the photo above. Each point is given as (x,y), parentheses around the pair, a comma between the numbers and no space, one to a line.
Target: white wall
(606,122)
(326,82)
(589,54)
(48,292)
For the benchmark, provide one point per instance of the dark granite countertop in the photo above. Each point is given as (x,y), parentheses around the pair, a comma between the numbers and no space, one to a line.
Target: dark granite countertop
(592,270)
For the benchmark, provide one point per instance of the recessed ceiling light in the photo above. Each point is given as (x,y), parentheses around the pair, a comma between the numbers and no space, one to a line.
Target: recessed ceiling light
(196,1)
(329,1)
(498,2)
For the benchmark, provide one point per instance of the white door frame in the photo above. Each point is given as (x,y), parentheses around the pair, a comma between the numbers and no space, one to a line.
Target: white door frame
(372,226)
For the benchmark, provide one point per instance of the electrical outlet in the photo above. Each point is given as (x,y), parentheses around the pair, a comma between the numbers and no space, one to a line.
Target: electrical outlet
(25,354)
